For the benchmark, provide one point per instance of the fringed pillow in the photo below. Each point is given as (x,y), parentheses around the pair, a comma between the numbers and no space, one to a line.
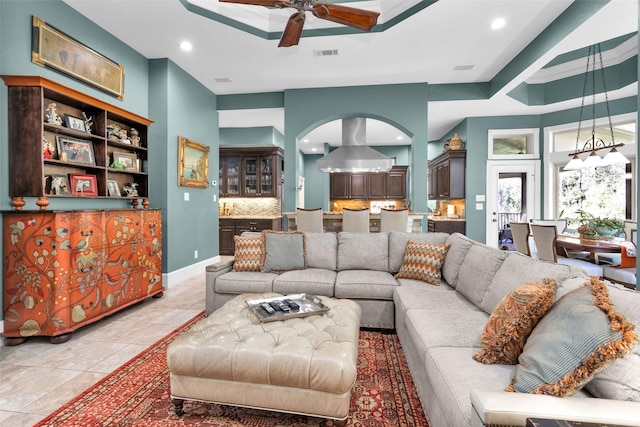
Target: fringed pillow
(283,251)
(580,336)
(423,261)
(248,253)
(512,321)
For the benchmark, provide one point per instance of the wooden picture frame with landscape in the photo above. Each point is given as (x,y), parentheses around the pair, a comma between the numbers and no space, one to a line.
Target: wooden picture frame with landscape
(193,163)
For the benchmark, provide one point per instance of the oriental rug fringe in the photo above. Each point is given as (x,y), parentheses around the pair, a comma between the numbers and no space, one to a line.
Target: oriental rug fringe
(138,394)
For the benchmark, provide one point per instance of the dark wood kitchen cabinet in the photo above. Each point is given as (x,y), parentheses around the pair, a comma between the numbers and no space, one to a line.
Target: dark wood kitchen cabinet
(370,185)
(251,171)
(446,226)
(345,185)
(230,227)
(446,175)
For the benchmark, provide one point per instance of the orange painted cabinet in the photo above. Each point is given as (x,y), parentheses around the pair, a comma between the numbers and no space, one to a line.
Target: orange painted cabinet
(66,269)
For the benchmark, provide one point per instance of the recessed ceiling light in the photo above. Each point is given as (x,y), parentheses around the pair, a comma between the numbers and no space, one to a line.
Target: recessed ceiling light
(305,140)
(186,46)
(498,23)
(314,149)
(399,138)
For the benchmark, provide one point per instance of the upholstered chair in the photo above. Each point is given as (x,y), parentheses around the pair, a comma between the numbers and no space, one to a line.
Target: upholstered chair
(309,220)
(355,220)
(394,220)
(545,240)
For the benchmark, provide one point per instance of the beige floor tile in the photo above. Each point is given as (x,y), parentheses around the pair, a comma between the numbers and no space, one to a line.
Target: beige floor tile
(37,377)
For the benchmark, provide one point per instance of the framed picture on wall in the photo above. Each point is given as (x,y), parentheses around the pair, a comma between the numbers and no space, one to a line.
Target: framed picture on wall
(193,163)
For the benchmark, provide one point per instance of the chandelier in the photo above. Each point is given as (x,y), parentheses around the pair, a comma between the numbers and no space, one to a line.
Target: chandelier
(595,151)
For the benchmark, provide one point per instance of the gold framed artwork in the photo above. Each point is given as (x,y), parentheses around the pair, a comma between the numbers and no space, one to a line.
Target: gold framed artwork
(193,163)
(52,48)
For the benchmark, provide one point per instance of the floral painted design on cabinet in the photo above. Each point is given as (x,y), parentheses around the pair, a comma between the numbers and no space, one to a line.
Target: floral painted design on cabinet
(66,269)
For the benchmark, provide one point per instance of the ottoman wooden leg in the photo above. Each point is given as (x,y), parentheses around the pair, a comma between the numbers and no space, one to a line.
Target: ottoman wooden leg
(177,406)
(340,423)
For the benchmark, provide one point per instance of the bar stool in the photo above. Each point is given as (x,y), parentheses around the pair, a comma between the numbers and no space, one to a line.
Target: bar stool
(355,220)
(309,220)
(394,220)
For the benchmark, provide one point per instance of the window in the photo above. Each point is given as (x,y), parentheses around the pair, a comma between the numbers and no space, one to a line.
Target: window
(602,191)
(513,143)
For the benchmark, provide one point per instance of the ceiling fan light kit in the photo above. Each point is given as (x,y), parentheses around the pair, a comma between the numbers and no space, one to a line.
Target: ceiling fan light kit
(360,19)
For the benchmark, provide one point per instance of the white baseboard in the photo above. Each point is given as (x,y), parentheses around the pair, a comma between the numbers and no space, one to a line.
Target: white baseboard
(175,277)
(178,276)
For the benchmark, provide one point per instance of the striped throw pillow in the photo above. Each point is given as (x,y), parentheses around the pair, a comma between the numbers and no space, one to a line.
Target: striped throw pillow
(423,261)
(580,336)
(248,253)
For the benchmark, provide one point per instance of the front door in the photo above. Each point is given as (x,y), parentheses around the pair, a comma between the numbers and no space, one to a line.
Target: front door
(513,193)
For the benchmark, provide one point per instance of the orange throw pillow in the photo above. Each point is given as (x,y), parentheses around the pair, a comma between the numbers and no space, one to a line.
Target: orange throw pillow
(423,261)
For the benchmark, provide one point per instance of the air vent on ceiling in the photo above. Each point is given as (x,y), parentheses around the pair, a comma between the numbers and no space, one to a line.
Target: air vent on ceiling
(222,80)
(463,68)
(326,52)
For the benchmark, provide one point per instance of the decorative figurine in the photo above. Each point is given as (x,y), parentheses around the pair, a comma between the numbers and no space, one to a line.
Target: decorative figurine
(88,122)
(47,148)
(123,137)
(131,189)
(52,116)
(113,132)
(135,137)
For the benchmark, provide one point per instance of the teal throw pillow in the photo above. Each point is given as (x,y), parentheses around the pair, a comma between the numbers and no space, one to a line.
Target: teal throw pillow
(283,251)
(579,336)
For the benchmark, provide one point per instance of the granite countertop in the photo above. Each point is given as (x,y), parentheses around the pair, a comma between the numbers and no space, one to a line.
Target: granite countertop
(444,218)
(337,215)
(250,217)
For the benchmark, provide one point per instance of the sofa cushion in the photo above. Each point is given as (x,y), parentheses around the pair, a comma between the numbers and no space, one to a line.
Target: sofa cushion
(321,250)
(460,245)
(423,261)
(283,251)
(248,253)
(453,374)
(315,281)
(477,271)
(398,242)
(365,284)
(363,251)
(429,298)
(621,380)
(517,269)
(512,321)
(237,282)
(579,337)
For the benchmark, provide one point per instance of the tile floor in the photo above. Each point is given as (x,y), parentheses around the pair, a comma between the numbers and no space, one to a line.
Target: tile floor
(37,377)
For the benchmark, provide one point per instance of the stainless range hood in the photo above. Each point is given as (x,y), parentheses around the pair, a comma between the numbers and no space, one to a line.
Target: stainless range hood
(354,155)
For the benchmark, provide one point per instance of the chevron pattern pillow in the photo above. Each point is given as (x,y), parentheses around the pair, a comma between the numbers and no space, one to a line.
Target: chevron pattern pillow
(248,253)
(423,261)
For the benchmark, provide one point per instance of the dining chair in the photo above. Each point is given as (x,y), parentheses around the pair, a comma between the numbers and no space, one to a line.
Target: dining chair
(545,239)
(520,233)
(625,272)
(309,220)
(355,220)
(394,220)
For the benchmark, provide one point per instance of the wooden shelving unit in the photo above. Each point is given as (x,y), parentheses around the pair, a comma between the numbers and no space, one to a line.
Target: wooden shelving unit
(35,157)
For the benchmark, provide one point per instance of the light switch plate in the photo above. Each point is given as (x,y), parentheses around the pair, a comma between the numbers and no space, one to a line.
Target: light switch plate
(186,197)
(479,206)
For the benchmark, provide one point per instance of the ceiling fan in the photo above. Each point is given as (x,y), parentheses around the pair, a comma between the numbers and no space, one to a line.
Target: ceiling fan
(353,17)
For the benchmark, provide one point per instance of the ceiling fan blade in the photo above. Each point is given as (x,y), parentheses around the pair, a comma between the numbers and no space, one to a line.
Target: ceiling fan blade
(274,3)
(353,17)
(293,30)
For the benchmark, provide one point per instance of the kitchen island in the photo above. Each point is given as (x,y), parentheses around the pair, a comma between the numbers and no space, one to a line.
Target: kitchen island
(332,221)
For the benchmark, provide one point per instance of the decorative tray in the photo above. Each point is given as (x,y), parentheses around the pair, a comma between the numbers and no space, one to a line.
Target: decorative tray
(286,307)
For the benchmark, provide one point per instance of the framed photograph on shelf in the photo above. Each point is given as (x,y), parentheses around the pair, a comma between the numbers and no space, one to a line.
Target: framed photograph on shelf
(52,48)
(75,123)
(113,188)
(193,163)
(125,161)
(75,150)
(83,185)
(59,185)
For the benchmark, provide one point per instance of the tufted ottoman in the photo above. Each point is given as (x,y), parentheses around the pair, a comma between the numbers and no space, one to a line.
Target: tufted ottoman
(303,365)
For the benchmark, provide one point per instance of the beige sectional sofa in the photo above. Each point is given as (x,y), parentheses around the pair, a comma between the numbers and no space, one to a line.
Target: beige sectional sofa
(439,327)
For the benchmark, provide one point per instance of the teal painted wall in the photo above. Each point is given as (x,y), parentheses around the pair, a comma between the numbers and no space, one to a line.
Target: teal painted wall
(265,135)
(181,106)
(404,106)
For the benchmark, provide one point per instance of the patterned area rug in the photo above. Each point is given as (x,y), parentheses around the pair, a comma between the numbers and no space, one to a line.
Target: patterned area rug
(137,394)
